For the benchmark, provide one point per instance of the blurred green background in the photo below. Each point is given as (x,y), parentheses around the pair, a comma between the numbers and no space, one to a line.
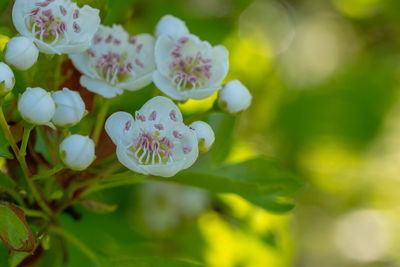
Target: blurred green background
(325,82)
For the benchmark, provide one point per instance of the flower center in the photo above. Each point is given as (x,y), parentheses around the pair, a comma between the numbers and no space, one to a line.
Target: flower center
(148,149)
(114,67)
(46,22)
(189,72)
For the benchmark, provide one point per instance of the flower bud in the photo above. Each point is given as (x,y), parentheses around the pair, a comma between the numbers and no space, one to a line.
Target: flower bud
(7,80)
(171,26)
(205,135)
(234,97)
(70,108)
(21,52)
(36,106)
(77,152)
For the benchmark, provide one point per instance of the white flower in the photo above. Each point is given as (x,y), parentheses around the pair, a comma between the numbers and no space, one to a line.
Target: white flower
(157,142)
(77,152)
(70,108)
(21,52)
(115,62)
(7,80)
(189,68)
(36,106)
(205,135)
(171,26)
(234,97)
(56,26)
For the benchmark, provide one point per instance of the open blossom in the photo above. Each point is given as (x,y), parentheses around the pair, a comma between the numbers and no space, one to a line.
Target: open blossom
(116,61)
(234,97)
(56,26)
(188,67)
(156,142)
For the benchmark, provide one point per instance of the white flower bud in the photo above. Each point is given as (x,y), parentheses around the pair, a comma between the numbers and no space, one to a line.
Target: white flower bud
(21,52)
(171,26)
(7,80)
(77,152)
(36,106)
(70,108)
(234,97)
(205,135)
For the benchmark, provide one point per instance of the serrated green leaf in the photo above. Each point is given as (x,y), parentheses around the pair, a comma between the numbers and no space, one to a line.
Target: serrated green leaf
(14,230)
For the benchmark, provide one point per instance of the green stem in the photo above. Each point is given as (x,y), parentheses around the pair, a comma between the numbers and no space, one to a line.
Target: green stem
(35,192)
(101,117)
(25,138)
(48,173)
(76,242)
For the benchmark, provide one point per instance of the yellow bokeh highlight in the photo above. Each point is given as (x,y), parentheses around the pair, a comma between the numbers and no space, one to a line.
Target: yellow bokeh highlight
(358,8)
(229,246)
(3,41)
(241,151)
(332,167)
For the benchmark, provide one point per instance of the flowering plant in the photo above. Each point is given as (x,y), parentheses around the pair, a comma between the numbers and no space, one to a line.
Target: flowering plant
(89,118)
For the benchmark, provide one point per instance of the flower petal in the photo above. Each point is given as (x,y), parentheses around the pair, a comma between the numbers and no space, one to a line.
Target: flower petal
(116,127)
(100,87)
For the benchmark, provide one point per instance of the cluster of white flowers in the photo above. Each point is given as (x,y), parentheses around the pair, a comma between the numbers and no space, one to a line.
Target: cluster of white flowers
(156,141)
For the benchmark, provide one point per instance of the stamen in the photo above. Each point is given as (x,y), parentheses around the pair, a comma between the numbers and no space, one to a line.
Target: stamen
(172,115)
(76,14)
(133,40)
(97,39)
(76,27)
(91,52)
(139,48)
(128,125)
(139,63)
(63,10)
(159,126)
(177,135)
(187,149)
(153,116)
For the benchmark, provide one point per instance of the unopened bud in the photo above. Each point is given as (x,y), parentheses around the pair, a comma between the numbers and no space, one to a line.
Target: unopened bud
(36,106)
(77,152)
(7,80)
(234,97)
(21,53)
(205,135)
(70,108)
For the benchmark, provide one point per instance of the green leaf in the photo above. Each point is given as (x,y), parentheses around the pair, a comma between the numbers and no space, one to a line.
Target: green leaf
(15,258)
(261,181)
(97,207)
(14,230)
(150,262)
(9,186)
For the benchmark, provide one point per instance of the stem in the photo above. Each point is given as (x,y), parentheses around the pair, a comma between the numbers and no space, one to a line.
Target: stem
(25,138)
(76,242)
(101,117)
(49,173)
(49,146)
(35,192)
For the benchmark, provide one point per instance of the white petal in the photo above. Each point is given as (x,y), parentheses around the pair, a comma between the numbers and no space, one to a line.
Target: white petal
(20,9)
(164,46)
(163,107)
(100,87)
(171,26)
(116,127)
(220,56)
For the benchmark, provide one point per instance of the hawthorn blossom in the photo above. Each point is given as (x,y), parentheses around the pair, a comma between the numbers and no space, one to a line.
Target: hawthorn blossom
(205,135)
(21,53)
(234,97)
(7,79)
(116,61)
(188,67)
(77,152)
(36,106)
(156,142)
(70,108)
(56,26)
